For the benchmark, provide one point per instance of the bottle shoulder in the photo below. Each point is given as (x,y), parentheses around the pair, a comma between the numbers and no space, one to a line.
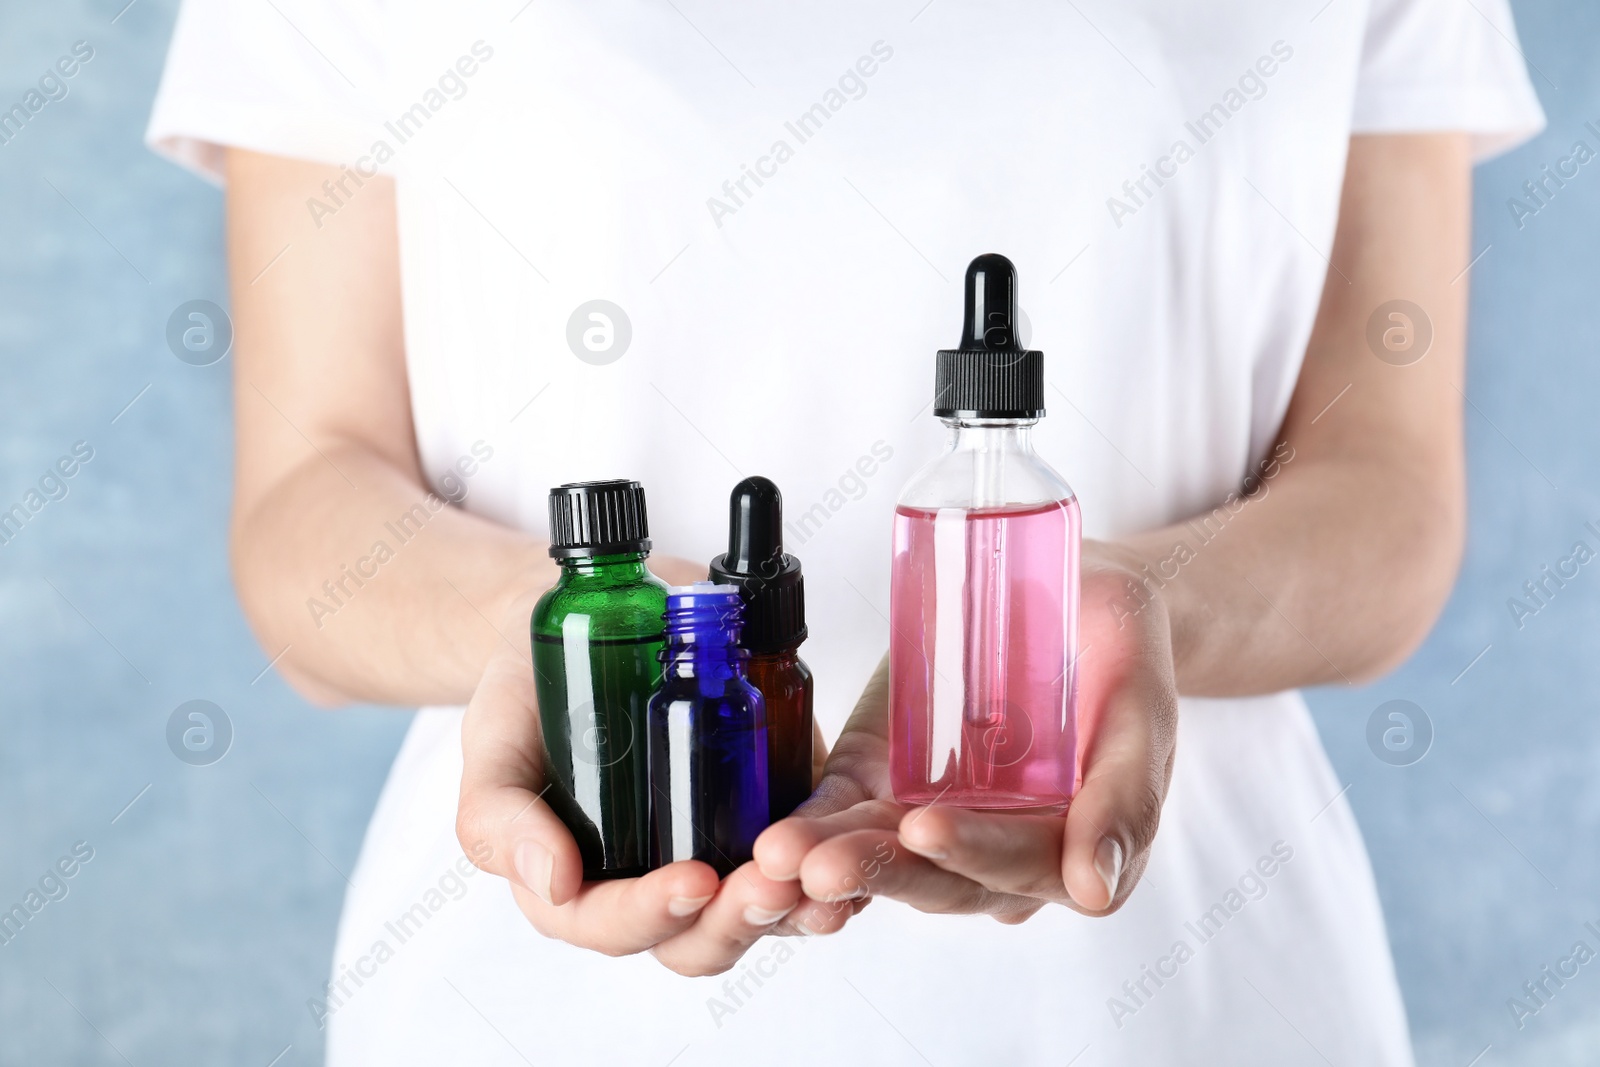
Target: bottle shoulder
(619,609)
(728,689)
(779,672)
(967,479)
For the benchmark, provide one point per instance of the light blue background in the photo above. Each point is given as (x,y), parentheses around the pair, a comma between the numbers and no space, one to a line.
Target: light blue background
(206,917)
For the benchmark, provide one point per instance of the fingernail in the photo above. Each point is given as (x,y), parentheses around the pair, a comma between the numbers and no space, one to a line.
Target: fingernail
(776,875)
(811,931)
(1108,864)
(854,894)
(911,837)
(924,851)
(534,865)
(763,917)
(684,906)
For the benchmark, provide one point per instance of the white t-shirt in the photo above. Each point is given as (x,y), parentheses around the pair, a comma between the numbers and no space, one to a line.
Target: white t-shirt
(781,199)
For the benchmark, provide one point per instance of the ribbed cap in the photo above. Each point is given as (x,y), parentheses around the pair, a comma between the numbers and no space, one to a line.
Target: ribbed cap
(990,376)
(989,385)
(598,519)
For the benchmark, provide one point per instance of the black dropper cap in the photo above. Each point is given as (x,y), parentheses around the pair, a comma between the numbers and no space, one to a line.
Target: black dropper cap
(598,519)
(769,580)
(989,375)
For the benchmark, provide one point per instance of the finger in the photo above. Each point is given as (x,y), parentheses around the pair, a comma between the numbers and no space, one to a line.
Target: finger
(502,821)
(873,862)
(856,771)
(1113,818)
(819,753)
(814,918)
(1006,853)
(858,765)
(745,908)
(783,846)
(628,915)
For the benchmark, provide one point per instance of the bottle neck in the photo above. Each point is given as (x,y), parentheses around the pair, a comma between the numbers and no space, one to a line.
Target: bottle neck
(701,657)
(622,568)
(990,435)
(787,656)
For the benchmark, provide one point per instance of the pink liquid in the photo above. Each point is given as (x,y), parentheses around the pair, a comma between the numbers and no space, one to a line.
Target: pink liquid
(984,614)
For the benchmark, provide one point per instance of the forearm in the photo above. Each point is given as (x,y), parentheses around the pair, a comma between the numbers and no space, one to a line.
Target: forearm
(360,584)
(1330,572)
(379,590)
(1336,564)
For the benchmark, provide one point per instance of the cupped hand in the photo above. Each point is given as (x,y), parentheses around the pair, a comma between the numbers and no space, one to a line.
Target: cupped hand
(852,839)
(693,923)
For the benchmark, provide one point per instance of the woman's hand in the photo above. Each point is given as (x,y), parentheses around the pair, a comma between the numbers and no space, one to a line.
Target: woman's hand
(681,913)
(852,838)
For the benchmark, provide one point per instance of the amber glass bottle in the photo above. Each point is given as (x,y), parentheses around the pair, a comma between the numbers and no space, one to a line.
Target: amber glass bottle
(773,591)
(784,681)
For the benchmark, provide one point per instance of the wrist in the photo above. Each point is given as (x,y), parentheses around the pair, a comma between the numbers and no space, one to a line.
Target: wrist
(1147,587)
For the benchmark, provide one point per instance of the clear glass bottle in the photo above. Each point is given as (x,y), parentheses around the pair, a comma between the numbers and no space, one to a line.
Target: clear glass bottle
(984,587)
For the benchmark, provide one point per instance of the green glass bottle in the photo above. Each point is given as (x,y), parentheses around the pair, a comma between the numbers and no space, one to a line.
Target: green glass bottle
(597,638)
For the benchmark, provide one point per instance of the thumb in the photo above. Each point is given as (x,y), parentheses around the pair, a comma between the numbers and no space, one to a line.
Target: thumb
(502,820)
(852,790)
(1112,821)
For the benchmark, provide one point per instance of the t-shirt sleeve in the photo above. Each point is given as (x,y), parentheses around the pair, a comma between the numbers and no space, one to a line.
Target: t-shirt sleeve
(298,78)
(1446,65)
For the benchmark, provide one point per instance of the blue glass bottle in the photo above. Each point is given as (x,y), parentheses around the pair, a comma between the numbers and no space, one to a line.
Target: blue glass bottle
(708,736)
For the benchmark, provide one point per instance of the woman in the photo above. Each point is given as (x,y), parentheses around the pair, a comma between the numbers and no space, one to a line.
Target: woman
(480,251)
